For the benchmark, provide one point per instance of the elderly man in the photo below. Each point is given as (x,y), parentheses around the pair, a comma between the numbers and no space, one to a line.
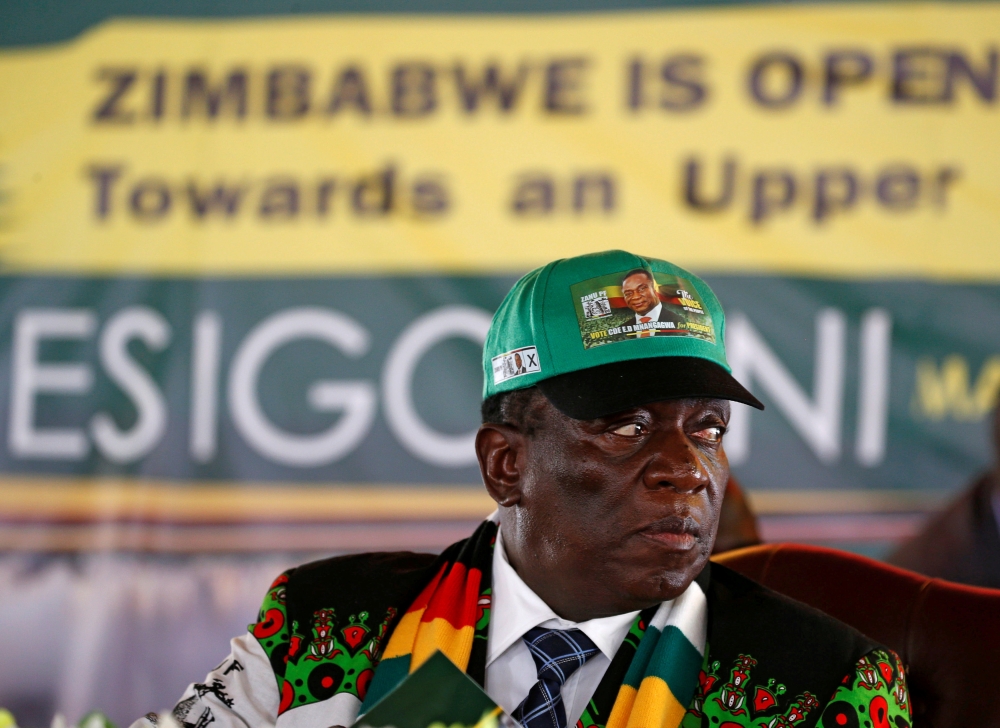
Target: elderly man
(588,598)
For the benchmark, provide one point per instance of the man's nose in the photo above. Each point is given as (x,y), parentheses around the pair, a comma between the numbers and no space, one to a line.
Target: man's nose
(676,464)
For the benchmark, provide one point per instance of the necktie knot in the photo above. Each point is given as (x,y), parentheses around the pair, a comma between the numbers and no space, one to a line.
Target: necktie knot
(645,320)
(557,654)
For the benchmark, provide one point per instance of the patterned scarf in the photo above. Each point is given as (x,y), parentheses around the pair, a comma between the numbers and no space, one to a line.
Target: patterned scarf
(650,681)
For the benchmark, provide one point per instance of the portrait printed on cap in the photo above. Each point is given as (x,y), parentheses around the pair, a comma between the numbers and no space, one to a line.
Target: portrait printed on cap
(639,304)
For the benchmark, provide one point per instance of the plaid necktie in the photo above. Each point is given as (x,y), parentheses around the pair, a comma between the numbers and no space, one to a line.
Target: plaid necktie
(557,654)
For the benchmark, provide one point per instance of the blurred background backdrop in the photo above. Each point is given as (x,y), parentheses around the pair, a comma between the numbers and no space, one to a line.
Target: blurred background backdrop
(249,252)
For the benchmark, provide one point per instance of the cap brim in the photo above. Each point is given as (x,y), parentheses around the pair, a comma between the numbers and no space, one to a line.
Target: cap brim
(603,390)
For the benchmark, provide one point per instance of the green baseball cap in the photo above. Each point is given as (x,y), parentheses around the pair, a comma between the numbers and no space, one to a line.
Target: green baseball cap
(604,332)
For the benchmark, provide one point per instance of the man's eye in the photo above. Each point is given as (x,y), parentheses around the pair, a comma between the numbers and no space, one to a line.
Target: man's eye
(710,434)
(632,429)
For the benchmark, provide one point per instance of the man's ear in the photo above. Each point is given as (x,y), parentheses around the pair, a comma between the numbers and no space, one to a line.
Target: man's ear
(498,448)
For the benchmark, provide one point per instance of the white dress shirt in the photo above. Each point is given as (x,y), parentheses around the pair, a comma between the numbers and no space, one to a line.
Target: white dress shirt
(510,669)
(652,314)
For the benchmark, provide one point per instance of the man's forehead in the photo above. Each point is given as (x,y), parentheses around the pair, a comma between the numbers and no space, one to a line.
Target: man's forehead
(656,408)
(672,404)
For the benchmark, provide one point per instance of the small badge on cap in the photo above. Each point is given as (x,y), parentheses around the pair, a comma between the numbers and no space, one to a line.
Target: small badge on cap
(515,363)
(639,304)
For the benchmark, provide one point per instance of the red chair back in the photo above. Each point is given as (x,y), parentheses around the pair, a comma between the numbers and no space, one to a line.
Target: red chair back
(947,634)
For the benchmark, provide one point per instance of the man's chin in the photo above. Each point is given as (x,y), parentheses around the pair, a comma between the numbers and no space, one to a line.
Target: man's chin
(667,576)
(662,587)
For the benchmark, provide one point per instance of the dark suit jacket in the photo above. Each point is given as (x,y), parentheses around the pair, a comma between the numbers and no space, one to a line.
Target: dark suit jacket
(665,315)
(770,661)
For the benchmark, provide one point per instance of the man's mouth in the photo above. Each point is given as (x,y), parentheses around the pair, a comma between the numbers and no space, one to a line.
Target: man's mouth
(677,533)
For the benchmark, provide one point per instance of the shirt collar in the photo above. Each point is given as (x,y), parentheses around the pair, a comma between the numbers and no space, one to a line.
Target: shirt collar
(653,313)
(516,608)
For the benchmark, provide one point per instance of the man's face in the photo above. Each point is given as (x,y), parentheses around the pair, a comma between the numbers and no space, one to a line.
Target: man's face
(639,293)
(618,513)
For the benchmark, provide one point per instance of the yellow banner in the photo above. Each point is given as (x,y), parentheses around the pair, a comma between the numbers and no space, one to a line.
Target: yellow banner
(847,140)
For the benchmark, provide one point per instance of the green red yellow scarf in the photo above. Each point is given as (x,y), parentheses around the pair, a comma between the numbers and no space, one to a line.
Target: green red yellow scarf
(649,683)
